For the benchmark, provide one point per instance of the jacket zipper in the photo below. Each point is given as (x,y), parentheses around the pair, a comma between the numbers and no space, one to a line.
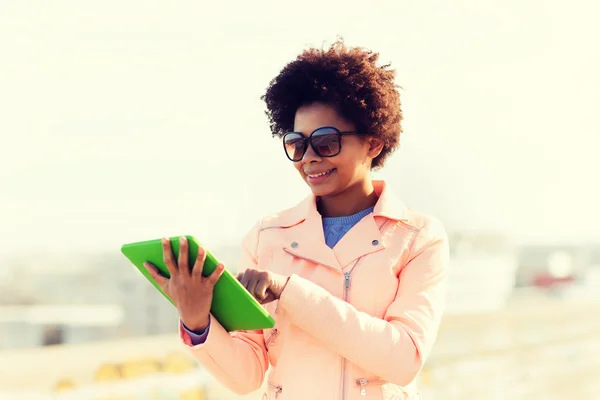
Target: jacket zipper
(347,277)
(364,382)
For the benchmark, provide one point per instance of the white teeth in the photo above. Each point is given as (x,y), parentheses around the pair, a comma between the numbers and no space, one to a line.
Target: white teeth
(321,174)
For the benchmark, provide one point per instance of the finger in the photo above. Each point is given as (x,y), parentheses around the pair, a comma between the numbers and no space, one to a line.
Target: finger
(156,275)
(199,264)
(252,283)
(245,278)
(182,262)
(260,291)
(168,257)
(213,278)
(268,298)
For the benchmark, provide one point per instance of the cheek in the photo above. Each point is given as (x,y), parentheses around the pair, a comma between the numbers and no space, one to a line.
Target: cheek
(298,167)
(353,156)
(347,164)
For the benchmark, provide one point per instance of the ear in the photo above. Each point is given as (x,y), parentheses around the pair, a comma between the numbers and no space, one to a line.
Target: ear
(375,146)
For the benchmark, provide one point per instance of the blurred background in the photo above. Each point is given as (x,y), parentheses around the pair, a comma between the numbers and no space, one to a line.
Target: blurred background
(127,121)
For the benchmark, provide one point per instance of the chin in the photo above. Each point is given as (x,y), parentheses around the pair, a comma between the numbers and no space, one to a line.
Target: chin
(319,192)
(323,190)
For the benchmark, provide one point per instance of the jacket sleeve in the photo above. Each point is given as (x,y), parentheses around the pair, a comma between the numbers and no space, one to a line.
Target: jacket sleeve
(239,360)
(400,343)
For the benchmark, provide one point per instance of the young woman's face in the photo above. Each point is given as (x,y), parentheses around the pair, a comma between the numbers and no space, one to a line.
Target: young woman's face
(329,176)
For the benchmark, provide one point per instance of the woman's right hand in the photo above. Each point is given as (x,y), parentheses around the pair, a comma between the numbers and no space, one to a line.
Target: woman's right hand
(191,292)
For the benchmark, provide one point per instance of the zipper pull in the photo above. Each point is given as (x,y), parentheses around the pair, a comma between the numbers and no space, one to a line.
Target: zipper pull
(346,285)
(275,389)
(271,337)
(346,280)
(363,387)
(278,391)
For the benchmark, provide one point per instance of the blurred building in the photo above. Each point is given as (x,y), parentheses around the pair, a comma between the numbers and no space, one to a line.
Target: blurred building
(83,304)
(555,265)
(36,325)
(78,292)
(83,298)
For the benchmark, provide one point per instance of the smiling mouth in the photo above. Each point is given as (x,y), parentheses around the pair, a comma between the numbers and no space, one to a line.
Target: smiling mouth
(313,176)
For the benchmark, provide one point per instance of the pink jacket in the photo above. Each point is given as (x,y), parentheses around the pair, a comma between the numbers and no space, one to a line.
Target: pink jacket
(354,322)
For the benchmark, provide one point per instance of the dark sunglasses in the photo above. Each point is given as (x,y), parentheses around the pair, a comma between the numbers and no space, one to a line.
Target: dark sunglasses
(325,141)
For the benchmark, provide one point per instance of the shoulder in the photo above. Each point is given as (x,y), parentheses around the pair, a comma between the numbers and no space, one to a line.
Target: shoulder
(281,219)
(429,233)
(288,217)
(423,223)
(391,206)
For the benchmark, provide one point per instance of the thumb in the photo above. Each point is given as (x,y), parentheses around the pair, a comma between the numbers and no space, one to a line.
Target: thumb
(268,298)
(156,275)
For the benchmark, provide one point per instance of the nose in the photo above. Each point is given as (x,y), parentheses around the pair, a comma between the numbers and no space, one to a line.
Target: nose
(310,156)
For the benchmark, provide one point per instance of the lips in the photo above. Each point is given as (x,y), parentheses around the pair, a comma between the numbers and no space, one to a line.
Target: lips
(318,174)
(315,178)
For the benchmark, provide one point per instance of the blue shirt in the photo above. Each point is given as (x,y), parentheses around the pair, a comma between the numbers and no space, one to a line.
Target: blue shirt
(334,228)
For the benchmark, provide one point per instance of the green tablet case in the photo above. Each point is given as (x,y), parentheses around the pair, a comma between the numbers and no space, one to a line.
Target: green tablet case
(233,306)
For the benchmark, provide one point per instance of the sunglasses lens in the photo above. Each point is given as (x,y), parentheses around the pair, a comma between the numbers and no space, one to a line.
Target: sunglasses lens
(294,145)
(326,142)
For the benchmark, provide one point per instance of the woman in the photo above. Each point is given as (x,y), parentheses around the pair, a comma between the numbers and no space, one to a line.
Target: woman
(354,279)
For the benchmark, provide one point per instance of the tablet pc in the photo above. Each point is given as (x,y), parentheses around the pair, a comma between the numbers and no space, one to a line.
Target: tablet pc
(233,306)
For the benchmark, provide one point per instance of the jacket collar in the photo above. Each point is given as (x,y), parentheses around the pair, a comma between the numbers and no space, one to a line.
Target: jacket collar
(388,205)
(307,240)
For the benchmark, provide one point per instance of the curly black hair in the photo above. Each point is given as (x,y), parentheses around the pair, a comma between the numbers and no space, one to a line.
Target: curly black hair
(347,78)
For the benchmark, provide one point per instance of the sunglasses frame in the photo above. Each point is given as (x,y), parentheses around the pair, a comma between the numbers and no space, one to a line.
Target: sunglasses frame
(308,141)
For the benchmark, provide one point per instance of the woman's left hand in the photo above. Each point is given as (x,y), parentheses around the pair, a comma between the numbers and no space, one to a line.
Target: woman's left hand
(265,286)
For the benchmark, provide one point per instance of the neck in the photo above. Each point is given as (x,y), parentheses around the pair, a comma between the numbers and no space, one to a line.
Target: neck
(351,201)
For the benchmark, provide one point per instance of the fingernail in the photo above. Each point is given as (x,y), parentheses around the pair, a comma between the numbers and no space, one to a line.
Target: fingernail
(182,239)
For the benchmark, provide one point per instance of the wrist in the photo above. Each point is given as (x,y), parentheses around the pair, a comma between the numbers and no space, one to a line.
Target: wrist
(198,326)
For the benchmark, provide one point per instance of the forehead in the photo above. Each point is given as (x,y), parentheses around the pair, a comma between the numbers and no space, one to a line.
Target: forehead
(316,115)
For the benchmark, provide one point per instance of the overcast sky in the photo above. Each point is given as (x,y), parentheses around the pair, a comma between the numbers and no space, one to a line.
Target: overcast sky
(125,121)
